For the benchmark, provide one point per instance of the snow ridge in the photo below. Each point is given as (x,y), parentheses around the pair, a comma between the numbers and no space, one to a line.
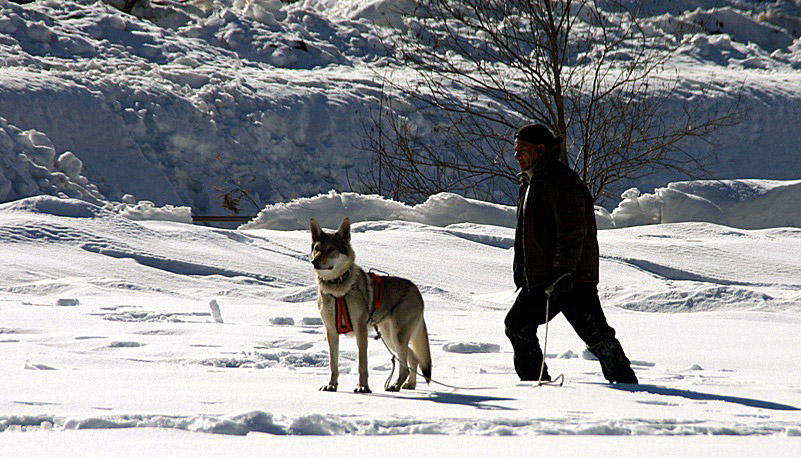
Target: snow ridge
(331,425)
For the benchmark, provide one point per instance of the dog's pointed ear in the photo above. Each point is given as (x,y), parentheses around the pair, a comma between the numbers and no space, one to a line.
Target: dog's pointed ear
(316,230)
(344,229)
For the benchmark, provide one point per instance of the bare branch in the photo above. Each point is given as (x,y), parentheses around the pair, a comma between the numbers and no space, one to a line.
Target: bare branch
(483,68)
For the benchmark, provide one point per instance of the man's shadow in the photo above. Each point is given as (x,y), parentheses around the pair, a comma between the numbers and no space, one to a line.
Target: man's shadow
(698,396)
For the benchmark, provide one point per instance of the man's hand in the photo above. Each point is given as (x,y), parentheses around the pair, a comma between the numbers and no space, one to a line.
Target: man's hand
(561,283)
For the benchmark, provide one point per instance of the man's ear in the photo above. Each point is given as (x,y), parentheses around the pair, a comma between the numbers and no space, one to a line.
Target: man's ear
(344,229)
(316,230)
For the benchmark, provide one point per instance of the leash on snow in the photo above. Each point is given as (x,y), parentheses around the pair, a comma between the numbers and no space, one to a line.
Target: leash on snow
(388,382)
(379,336)
(560,380)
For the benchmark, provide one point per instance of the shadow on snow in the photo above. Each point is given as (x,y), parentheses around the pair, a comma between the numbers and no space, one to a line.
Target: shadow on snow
(698,396)
(468,400)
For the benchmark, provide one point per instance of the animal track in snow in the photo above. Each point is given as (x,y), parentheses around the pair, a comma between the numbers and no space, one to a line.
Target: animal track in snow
(471,347)
(150,317)
(124,344)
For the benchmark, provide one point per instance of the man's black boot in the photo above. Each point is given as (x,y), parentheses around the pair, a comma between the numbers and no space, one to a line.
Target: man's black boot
(527,357)
(614,364)
(529,370)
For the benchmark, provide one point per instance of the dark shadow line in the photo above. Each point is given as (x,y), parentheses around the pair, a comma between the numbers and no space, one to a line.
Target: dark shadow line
(468,400)
(698,396)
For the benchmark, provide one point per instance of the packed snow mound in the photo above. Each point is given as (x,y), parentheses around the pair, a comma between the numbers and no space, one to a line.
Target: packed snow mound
(30,166)
(144,210)
(48,205)
(76,208)
(329,209)
(745,204)
(379,12)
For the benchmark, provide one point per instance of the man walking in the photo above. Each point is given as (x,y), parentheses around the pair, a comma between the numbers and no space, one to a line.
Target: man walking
(556,249)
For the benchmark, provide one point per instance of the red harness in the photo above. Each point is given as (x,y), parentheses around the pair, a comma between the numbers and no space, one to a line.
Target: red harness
(344,325)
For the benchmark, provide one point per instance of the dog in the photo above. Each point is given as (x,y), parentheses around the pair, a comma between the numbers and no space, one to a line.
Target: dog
(350,300)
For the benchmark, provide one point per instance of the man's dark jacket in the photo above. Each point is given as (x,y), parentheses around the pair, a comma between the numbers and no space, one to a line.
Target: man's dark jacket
(556,227)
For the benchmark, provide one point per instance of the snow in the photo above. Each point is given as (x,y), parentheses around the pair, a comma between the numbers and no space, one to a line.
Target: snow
(439,210)
(139,355)
(115,129)
(200,98)
(747,204)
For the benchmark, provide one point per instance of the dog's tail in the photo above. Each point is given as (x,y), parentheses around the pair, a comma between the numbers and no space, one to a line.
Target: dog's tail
(421,350)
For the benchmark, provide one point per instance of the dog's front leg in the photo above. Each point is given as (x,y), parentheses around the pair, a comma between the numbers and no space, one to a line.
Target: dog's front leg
(333,360)
(361,342)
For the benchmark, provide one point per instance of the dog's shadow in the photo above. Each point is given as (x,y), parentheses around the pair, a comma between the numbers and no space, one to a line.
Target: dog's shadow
(469,400)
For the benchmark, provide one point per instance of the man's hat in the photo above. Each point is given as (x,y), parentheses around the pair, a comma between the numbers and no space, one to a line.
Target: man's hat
(536,134)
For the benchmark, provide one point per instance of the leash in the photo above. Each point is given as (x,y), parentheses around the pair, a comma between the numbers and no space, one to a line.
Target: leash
(378,336)
(561,377)
(388,382)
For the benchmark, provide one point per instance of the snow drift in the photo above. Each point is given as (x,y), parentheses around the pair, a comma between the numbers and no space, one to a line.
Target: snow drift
(196,99)
(746,204)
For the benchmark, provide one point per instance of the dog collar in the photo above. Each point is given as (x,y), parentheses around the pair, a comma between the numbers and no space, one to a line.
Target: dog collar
(340,279)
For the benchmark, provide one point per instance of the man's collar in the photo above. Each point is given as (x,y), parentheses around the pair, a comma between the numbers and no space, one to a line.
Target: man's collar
(526,175)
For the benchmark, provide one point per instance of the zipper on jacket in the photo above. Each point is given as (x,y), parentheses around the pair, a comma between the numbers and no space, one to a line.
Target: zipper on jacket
(523,234)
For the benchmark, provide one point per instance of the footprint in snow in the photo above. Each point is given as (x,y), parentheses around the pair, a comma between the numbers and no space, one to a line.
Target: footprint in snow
(67,302)
(282,321)
(471,347)
(125,344)
(311,321)
(285,344)
(38,367)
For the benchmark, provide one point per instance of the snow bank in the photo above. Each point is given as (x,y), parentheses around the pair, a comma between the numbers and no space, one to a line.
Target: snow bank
(76,208)
(69,208)
(29,166)
(745,204)
(329,209)
(379,12)
(241,424)
(188,98)
(145,210)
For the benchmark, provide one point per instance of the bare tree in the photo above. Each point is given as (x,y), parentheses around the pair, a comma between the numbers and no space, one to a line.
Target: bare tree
(482,68)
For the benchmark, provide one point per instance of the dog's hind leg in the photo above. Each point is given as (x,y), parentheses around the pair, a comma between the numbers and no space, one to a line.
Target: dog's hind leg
(411,360)
(333,360)
(403,369)
(400,342)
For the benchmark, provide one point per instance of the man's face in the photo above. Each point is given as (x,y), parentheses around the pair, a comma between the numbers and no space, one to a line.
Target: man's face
(527,154)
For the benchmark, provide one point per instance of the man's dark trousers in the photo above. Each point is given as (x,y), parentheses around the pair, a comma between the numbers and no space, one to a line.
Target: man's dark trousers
(582,309)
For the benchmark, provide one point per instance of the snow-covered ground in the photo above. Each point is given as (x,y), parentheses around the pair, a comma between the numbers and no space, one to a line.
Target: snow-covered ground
(109,342)
(126,332)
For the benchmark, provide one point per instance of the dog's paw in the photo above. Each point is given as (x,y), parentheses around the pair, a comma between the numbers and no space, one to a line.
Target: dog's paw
(394,387)
(362,389)
(328,388)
